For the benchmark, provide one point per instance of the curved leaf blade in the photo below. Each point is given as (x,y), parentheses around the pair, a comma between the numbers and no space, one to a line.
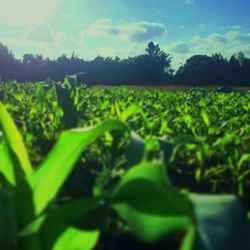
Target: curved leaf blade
(49,178)
(221,222)
(16,147)
(151,207)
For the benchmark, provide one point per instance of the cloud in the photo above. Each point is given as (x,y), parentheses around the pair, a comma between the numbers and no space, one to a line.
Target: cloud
(235,27)
(8,31)
(134,32)
(237,36)
(179,52)
(209,44)
(221,42)
(21,46)
(144,31)
(107,51)
(179,48)
(45,33)
(212,39)
(216,38)
(26,13)
(40,40)
(228,43)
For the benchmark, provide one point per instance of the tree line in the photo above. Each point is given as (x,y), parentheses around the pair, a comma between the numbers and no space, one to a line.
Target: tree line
(151,68)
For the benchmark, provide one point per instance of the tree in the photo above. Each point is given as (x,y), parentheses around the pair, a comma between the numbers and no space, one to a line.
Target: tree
(151,68)
(160,63)
(155,53)
(7,62)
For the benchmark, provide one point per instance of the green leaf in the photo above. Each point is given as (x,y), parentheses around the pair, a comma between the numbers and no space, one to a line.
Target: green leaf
(51,228)
(244,158)
(15,166)
(167,149)
(221,223)
(8,238)
(66,102)
(149,205)
(70,81)
(145,188)
(40,92)
(51,175)
(7,176)
(205,118)
(33,227)
(189,239)
(151,228)
(74,239)
(135,152)
(73,81)
(16,148)
(131,110)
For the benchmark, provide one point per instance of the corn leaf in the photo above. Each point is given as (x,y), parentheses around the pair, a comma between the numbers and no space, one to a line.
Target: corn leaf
(16,148)
(7,176)
(151,208)
(53,229)
(48,179)
(221,222)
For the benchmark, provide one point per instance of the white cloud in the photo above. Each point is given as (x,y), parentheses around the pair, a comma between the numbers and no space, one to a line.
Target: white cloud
(26,13)
(179,48)
(134,32)
(237,36)
(39,40)
(21,46)
(232,38)
(45,33)
(229,43)
(216,38)
(212,39)
(144,31)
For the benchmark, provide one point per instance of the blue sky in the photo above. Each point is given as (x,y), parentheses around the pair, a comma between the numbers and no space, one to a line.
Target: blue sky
(124,27)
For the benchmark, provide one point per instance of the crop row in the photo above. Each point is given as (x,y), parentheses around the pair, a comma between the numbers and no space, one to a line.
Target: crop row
(136,168)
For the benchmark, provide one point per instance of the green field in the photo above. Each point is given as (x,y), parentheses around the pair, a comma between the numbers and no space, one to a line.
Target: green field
(146,167)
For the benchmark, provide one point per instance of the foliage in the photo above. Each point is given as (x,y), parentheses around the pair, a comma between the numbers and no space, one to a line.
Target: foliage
(115,183)
(150,68)
(67,96)
(143,198)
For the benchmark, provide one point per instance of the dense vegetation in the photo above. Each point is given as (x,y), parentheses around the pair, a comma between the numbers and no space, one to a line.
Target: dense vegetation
(151,68)
(137,166)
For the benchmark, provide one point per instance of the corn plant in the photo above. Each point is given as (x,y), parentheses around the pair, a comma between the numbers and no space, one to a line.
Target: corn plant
(68,98)
(1,94)
(143,199)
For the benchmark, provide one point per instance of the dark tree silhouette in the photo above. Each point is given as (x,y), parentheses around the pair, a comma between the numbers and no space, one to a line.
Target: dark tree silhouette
(7,63)
(151,68)
(215,70)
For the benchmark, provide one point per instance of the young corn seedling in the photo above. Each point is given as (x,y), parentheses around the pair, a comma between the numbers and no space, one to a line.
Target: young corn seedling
(68,98)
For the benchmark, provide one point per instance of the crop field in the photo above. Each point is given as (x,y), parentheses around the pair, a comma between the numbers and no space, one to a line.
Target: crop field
(119,168)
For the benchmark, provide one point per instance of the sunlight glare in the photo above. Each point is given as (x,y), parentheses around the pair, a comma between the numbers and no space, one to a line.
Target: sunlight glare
(26,13)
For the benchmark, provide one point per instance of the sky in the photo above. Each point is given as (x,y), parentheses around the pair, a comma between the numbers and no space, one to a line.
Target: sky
(123,28)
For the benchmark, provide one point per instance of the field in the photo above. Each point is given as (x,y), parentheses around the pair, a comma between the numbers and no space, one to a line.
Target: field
(145,168)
